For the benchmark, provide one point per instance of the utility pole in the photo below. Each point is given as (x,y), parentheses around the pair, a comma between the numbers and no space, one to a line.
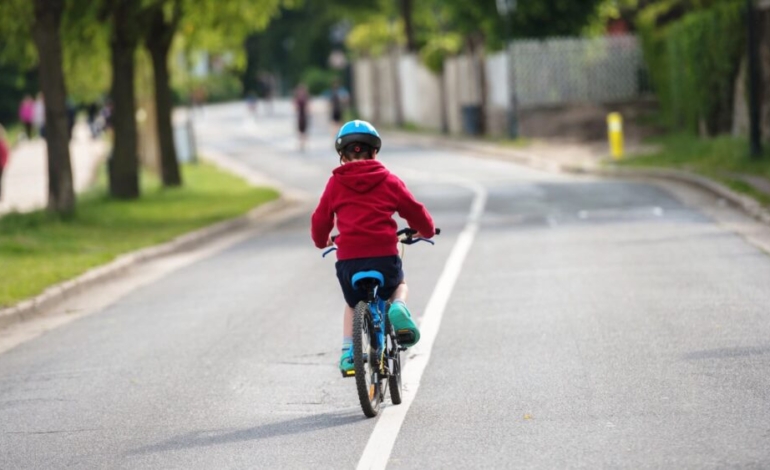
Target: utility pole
(506,8)
(755,134)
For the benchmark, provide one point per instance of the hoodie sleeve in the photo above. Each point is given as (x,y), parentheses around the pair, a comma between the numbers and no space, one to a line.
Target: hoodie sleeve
(322,221)
(415,214)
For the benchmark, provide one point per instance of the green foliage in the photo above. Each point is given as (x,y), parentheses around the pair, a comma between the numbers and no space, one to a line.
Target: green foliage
(16,46)
(319,80)
(222,26)
(295,40)
(86,54)
(532,19)
(39,250)
(438,49)
(374,37)
(219,87)
(693,61)
(723,158)
(14,84)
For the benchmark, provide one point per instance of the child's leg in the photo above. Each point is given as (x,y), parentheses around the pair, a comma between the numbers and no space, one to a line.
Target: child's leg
(346,359)
(400,293)
(400,317)
(347,325)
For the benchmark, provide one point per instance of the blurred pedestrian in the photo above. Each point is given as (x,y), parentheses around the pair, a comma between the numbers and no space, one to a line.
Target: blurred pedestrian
(38,116)
(106,115)
(92,113)
(338,100)
(301,104)
(71,115)
(269,87)
(5,153)
(199,96)
(251,103)
(27,114)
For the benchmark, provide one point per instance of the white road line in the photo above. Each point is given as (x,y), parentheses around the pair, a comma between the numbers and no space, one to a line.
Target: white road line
(383,438)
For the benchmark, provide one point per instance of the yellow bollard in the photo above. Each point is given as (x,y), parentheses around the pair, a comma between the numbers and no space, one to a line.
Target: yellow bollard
(615,133)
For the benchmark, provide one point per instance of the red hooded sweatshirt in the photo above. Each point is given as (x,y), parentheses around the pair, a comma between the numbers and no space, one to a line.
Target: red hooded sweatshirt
(364,195)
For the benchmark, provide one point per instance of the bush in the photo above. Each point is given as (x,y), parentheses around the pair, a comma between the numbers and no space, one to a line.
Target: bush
(694,61)
(218,87)
(438,49)
(318,80)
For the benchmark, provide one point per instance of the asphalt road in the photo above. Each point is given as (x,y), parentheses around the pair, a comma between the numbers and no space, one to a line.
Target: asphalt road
(594,323)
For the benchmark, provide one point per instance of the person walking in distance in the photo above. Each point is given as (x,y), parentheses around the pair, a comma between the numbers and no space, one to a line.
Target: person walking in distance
(301,105)
(27,114)
(38,116)
(5,153)
(338,99)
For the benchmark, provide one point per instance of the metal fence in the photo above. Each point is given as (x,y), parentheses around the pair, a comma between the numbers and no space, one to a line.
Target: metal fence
(578,70)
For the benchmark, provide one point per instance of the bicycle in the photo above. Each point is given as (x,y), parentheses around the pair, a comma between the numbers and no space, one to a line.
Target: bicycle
(376,346)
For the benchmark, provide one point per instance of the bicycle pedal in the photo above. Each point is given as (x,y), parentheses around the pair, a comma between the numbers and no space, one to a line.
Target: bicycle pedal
(405,336)
(349,373)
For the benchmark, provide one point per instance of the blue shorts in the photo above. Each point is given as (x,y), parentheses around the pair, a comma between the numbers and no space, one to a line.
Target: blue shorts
(389,266)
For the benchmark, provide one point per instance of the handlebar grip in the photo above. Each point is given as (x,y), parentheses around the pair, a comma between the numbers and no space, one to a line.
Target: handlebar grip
(438,231)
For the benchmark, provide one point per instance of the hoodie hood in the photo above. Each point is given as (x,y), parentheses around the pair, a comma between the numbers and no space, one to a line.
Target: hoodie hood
(361,176)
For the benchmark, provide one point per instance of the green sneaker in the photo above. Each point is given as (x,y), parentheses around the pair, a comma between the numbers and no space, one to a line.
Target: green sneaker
(406,331)
(346,363)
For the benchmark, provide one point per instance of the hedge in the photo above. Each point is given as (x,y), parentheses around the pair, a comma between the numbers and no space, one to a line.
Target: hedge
(694,61)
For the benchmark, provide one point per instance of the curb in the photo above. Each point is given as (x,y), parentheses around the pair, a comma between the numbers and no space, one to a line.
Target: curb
(38,305)
(749,205)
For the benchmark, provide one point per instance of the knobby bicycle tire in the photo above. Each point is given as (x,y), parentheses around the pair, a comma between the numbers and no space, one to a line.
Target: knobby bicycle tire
(369,393)
(394,381)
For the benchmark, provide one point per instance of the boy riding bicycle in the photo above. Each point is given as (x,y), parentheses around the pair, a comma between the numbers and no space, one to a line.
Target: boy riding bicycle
(363,196)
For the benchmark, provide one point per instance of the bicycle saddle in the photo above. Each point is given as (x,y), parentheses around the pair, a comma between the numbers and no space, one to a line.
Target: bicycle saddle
(364,275)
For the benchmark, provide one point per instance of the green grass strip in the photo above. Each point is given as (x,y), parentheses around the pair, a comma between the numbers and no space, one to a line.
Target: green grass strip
(38,250)
(722,158)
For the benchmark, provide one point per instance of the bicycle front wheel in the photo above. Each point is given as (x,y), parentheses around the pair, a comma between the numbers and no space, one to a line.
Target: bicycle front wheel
(366,362)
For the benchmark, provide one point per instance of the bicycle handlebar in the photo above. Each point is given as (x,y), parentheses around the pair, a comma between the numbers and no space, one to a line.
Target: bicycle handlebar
(408,240)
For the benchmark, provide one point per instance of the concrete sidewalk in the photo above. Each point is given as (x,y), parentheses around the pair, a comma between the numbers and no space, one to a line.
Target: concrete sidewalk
(25,179)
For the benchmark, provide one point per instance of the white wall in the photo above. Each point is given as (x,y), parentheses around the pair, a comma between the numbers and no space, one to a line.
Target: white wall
(552,72)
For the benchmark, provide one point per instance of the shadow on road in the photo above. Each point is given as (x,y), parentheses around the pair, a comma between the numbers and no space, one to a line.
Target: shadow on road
(282,428)
(728,353)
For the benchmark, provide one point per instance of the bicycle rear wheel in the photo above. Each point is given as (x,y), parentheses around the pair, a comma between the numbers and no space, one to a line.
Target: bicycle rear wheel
(394,365)
(366,363)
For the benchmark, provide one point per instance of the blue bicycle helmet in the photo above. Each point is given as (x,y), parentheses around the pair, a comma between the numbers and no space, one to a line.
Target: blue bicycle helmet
(357,131)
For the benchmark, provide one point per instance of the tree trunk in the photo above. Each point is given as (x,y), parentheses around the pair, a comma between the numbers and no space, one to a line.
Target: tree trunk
(61,193)
(406,14)
(124,163)
(159,43)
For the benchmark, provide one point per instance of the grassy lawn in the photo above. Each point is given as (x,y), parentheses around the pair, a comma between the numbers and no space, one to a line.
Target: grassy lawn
(38,250)
(721,158)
